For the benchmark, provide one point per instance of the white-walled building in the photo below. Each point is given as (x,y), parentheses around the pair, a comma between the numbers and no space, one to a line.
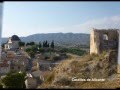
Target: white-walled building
(12,43)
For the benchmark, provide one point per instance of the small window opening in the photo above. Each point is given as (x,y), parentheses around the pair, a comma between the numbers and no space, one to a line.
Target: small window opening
(105,37)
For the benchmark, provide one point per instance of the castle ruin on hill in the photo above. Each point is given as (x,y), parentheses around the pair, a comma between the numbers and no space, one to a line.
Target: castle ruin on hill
(105,40)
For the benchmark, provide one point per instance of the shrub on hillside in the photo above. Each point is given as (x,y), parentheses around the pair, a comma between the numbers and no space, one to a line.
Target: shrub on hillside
(63,82)
(46,57)
(50,77)
(1,86)
(56,58)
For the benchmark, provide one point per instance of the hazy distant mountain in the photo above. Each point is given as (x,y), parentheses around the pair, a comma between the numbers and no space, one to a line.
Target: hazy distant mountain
(70,39)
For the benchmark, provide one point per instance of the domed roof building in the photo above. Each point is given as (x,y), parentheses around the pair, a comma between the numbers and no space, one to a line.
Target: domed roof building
(12,43)
(15,38)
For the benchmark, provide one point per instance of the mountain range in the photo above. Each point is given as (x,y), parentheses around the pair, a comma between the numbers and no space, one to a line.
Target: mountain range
(61,39)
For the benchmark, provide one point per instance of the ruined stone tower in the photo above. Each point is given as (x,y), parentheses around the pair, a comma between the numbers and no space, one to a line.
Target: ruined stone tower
(105,40)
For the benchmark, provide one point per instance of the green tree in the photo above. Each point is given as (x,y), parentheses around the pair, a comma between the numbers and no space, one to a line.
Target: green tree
(14,80)
(40,45)
(31,54)
(52,44)
(3,45)
(1,86)
(43,44)
(48,45)
(28,50)
(27,44)
(34,48)
(21,44)
(32,43)
(41,49)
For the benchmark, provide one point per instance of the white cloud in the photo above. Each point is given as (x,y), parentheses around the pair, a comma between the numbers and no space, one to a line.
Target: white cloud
(102,23)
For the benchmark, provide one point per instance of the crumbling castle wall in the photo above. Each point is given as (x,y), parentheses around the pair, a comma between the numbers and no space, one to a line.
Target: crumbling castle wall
(106,40)
(103,40)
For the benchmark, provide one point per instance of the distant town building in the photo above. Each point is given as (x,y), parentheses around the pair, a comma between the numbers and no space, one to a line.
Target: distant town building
(12,57)
(4,67)
(10,54)
(12,43)
(18,61)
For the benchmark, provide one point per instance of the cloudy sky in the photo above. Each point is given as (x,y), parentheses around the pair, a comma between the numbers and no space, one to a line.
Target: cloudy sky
(26,18)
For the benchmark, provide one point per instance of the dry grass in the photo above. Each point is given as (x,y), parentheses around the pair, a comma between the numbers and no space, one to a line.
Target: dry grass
(88,66)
